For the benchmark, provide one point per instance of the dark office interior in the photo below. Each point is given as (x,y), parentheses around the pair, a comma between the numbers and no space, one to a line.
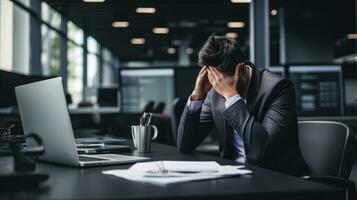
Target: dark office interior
(119,60)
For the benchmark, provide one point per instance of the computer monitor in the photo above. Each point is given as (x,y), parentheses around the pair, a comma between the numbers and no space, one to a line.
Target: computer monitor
(350,87)
(319,90)
(140,86)
(280,70)
(108,96)
(8,82)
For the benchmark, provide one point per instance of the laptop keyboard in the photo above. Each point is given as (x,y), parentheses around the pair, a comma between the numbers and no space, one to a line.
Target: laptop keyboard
(88,159)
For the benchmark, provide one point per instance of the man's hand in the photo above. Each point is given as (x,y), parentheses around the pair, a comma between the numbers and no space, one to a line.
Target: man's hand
(202,85)
(225,85)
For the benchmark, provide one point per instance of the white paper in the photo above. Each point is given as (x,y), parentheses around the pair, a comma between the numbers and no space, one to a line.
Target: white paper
(139,171)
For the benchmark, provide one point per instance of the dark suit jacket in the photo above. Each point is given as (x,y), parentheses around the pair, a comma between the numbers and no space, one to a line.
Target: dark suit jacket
(267,124)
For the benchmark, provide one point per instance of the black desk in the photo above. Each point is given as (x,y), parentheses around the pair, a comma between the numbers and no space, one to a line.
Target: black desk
(90,183)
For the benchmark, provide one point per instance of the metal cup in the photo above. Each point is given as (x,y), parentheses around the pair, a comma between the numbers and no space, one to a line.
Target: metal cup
(142,136)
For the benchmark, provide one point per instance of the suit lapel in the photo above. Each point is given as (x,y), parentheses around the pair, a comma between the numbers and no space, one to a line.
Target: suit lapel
(253,87)
(227,129)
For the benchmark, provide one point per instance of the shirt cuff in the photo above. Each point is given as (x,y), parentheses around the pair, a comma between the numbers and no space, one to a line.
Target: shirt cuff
(193,106)
(231,100)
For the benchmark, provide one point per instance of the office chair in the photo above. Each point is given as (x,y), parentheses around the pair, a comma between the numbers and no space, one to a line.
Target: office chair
(159,108)
(165,127)
(328,149)
(178,105)
(149,107)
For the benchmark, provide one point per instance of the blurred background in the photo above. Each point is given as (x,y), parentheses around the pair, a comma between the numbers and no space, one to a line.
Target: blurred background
(119,58)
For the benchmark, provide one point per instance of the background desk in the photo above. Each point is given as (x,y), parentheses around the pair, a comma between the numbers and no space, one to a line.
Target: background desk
(93,110)
(90,183)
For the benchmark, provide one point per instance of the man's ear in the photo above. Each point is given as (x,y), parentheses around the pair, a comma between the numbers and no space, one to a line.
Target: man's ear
(240,69)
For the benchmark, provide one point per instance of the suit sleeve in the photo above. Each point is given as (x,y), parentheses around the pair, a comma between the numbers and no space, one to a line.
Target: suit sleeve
(262,137)
(194,126)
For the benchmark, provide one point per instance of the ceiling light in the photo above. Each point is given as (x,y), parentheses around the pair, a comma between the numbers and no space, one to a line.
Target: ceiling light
(273,12)
(120,24)
(232,35)
(145,10)
(171,50)
(160,30)
(235,24)
(240,1)
(352,36)
(94,1)
(189,50)
(137,41)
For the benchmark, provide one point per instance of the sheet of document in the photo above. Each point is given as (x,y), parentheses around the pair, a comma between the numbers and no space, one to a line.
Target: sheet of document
(168,172)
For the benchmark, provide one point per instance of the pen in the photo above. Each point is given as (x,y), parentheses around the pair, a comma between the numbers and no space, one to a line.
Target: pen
(149,120)
(142,119)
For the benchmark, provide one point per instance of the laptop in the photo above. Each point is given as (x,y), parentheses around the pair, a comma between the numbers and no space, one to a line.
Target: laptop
(44,111)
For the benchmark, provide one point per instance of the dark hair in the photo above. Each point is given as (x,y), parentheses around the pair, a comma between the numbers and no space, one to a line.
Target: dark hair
(221,52)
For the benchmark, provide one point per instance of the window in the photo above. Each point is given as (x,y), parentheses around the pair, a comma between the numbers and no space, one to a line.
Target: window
(75,72)
(75,33)
(24,2)
(92,77)
(14,38)
(21,41)
(50,56)
(50,16)
(92,69)
(93,45)
(16,24)
(108,75)
(75,62)
(6,27)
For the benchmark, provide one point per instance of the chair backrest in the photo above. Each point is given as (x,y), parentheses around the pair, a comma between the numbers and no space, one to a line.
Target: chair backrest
(149,107)
(178,106)
(165,127)
(160,107)
(327,147)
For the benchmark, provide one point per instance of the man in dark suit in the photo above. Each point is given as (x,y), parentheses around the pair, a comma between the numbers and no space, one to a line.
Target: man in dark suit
(253,111)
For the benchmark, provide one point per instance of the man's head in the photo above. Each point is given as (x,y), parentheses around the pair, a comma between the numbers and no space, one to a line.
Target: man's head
(222,53)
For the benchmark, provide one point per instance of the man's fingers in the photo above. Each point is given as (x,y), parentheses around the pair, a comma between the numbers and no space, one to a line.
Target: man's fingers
(217,73)
(203,74)
(210,78)
(203,69)
(213,73)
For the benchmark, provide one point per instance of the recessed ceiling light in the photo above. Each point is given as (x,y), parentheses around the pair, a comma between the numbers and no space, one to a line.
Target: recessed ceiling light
(120,24)
(171,50)
(352,36)
(235,24)
(137,41)
(94,1)
(149,10)
(273,12)
(240,1)
(160,30)
(232,35)
(189,50)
